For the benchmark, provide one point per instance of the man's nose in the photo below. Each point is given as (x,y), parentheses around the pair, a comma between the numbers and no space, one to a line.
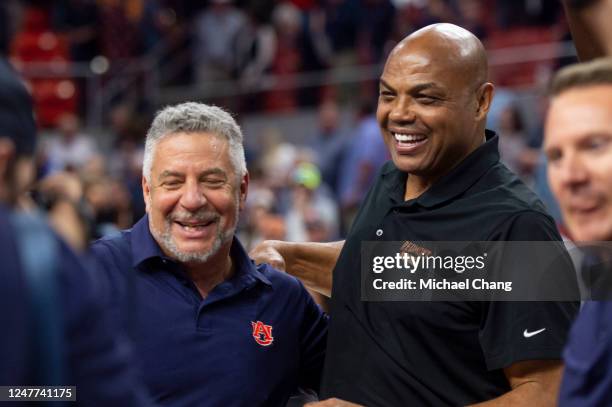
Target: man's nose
(193,197)
(402,111)
(573,172)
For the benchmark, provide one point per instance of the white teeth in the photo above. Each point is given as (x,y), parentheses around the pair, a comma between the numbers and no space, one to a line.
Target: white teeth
(191,228)
(408,137)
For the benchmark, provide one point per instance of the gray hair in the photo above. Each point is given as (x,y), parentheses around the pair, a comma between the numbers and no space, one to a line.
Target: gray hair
(193,117)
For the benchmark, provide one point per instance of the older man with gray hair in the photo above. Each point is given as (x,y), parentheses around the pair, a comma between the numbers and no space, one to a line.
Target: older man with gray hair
(209,327)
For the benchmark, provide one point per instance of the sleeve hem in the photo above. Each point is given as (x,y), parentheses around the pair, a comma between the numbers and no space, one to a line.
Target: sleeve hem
(508,358)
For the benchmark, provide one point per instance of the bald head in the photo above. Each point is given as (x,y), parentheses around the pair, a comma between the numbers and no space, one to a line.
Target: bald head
(454,48)
(433,101)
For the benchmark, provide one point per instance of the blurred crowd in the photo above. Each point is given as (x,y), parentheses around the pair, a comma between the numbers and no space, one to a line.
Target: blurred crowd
(245,42)
(306,191)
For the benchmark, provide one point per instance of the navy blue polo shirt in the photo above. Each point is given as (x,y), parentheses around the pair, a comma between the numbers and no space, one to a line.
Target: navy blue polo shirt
(587,377)
(93,355)
(252,341)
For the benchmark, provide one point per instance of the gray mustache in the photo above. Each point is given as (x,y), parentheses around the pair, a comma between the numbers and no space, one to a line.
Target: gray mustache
(194,217)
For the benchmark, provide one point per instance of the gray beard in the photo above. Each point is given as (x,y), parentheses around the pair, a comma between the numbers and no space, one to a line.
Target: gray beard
(166,241)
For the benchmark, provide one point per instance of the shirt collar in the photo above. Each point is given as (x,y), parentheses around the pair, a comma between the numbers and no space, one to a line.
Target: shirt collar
(145,248)
(449,186)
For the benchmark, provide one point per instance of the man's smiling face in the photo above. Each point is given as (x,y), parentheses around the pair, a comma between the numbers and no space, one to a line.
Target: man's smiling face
(578,145)
(193,196)
(427,110)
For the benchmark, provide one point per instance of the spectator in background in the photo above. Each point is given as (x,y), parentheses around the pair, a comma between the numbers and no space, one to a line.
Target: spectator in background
(513,148)
(109,202)
(438,11)
(214,35)
(125,161)
(118,29)
(313,214)
(255,45)
(70,149)
(330,145)
(287,59)
(376,30)
(261,220)
(315,51)
(78,20)
(366,153)
(343,24)
(473,17)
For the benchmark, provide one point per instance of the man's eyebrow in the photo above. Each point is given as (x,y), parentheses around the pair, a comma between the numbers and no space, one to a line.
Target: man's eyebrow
(385,84)
(424,86)
(213,171)
(414,89)
(168,173)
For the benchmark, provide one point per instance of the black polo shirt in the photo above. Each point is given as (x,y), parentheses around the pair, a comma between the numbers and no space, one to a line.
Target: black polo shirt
(439,353)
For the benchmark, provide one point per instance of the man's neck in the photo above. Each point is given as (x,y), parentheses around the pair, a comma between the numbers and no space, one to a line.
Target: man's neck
(206,276)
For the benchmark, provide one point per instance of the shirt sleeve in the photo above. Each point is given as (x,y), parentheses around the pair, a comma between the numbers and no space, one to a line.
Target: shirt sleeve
(313,341)
(527,330)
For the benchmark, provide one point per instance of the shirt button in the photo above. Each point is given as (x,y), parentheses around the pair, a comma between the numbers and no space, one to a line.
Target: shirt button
(379,232)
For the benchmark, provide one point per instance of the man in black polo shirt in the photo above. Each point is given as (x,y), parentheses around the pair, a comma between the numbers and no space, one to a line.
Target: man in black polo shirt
(445,182)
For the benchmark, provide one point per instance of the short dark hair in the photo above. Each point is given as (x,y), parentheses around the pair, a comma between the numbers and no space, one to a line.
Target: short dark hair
(596,72)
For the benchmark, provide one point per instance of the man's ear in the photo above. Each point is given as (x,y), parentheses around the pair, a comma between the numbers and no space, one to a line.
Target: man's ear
(146,193)
(244,187)
(7,153)
(484,96)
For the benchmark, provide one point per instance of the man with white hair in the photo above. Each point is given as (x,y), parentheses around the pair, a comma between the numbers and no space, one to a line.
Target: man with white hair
(209,327)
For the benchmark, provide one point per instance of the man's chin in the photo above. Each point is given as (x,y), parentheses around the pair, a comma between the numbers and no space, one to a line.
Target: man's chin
(194,252)
(589,229)
(408,167)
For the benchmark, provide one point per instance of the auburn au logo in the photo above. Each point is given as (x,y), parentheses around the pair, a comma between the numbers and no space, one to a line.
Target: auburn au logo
(262,333)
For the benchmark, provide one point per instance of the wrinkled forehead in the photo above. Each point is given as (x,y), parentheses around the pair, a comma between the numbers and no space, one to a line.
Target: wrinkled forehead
(191,145)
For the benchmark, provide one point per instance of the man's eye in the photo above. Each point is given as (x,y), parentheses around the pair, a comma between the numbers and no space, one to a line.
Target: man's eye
(426,100)
(553,156)
(214,182)
(386,95)
(597,143)
(171,184)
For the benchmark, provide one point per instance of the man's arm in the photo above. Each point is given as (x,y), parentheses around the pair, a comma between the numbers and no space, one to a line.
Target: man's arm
(312,263)
(533,382)
(589,22)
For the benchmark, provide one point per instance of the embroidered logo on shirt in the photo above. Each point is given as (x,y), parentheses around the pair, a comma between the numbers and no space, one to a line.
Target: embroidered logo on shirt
(528,334)
(262,333)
